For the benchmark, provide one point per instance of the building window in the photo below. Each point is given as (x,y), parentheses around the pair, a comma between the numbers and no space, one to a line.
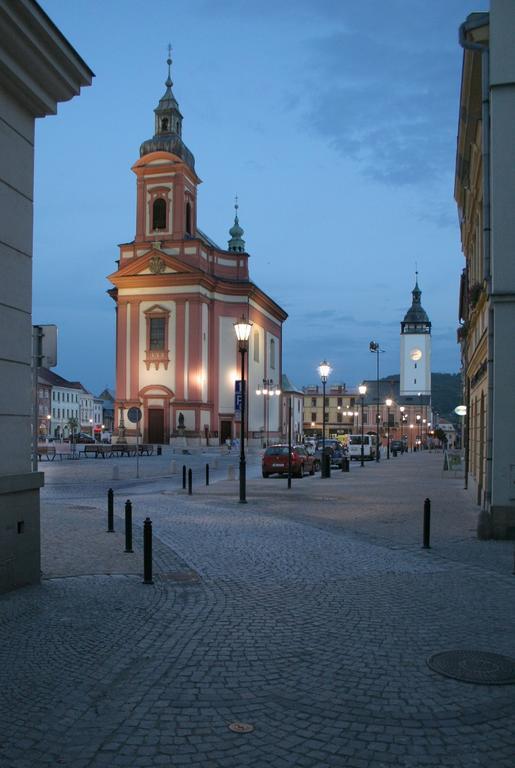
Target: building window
(188,218)
(340,401)
(157,333)
(313,417)
(313,402)
(256,346)
(339,418)
(272,353)
(159,214)
(157,350)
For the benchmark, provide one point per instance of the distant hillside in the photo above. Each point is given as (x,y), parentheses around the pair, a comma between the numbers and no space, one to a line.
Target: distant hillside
(446,393)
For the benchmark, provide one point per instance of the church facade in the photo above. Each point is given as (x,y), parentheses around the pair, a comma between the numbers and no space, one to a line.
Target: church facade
(177,298)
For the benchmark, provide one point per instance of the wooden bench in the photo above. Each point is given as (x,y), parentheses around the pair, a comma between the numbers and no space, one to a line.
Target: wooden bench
(48,451)
(123,449)
(144,448)
(97,449)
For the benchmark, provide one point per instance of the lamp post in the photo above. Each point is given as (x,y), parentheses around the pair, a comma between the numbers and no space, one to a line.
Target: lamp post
(419,421)
(362,391)
(411,436)
(388,402)
(324,369)
(242,330)
(267,390)
(374,348)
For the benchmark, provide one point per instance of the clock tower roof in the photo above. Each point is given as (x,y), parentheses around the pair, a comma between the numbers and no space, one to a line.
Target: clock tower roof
(416,319)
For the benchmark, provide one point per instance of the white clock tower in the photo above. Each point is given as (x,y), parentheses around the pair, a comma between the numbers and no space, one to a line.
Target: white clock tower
(415,349)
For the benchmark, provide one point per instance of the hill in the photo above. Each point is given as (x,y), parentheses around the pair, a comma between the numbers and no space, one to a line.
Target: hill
(446,393)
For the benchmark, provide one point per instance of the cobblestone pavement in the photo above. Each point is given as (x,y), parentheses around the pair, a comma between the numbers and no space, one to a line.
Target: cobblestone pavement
(278,613)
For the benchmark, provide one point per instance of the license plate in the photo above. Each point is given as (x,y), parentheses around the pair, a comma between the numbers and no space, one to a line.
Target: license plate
(277,465)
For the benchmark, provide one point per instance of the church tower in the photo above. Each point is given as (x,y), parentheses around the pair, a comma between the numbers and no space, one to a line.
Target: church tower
(415,348)
(178,295)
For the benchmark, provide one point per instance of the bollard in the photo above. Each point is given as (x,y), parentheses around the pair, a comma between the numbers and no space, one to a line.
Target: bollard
(427,523)
(190,482)
(110,511)
(159,450)
(230,472)
(128,526)
(147,551)
(116,473)
(345,464)
(173,467)
(184,477)
(207,474)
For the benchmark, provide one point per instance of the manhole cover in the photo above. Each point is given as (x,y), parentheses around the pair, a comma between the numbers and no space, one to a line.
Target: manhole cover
(241,727)
(474,667)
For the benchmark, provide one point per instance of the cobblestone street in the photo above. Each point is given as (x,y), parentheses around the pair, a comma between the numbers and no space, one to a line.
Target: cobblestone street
(309,614)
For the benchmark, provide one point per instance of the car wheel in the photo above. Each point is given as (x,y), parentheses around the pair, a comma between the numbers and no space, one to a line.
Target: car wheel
(300,473)
(312,470)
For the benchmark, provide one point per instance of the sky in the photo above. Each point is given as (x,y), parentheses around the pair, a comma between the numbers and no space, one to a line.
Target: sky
(333,121)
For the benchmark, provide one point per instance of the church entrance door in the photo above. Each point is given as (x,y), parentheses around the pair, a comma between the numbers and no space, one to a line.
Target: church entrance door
(225,431)
(156,425)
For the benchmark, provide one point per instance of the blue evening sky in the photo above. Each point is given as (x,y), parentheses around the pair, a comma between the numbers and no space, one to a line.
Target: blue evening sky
(335,123)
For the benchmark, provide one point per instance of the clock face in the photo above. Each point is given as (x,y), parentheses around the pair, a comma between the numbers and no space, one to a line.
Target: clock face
(415,354)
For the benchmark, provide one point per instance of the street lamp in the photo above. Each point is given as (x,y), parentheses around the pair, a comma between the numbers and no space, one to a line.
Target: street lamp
(411,436)
(374,348)
(419,417)
(324,369)
(362,391)
(267,390)
(388,402)
(242,330)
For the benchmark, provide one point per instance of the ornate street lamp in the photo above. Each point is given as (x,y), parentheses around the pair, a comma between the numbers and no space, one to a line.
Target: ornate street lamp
(375,349)
(324,369)
(242,330)
(388,402)
(267,390)
(362,391)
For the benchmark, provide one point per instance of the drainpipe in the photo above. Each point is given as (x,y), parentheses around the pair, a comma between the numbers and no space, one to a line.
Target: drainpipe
(487,272)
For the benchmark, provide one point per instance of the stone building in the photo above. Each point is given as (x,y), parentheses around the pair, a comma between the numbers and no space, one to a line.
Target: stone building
(38,69)
(178,296)
(485,196)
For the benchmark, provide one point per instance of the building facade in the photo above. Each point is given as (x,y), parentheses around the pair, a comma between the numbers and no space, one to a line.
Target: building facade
(485,195)
(178,296)
(340,410)
(39,69)
(292,397)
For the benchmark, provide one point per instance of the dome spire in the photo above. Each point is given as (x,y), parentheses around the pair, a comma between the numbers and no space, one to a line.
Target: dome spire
(236,243)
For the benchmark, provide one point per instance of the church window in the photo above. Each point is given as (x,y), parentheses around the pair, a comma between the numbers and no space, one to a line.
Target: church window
(272,353)
(188,218)
(164,124)
(159,214)
(157,333)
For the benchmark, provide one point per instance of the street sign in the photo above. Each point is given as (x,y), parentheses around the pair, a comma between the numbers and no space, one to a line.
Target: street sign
(237,399)
(134,414)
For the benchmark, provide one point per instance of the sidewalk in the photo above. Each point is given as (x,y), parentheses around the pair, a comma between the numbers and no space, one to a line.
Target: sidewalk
(309,614)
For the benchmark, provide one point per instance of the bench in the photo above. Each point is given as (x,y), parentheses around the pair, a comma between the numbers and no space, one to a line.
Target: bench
(48,451)
(123,449)
(97,449)
(148,449)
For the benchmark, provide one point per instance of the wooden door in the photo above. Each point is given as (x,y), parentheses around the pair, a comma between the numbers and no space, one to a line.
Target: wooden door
(156,425)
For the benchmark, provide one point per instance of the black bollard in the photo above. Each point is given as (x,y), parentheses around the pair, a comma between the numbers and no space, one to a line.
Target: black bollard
(427,523)
(128,526)
(190,482)
(159,450)
(207,474)
(147,551)
(110,511)
(184,477)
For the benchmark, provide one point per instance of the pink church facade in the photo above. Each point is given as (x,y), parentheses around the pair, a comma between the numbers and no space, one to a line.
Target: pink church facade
(177,298)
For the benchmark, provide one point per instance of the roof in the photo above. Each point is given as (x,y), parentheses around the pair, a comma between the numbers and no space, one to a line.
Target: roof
(47,376)
(287,386)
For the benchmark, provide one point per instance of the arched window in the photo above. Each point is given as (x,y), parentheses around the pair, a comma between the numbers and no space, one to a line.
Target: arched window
(159,214)
(188,218)
(164,124)
(272,353)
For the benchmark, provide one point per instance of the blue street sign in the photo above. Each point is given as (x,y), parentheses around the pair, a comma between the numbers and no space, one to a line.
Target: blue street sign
(237,399)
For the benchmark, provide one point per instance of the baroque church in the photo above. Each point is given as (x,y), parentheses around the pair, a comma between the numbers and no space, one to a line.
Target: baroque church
(177,296)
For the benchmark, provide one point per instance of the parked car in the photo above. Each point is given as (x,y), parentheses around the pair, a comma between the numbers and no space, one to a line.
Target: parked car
(275,461)
(83,437)
(397,445)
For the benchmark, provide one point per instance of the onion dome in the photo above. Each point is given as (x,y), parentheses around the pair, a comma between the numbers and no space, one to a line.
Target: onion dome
(168,126)
(236,243)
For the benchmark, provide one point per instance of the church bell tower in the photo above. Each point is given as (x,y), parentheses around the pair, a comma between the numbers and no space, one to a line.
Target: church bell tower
(415,348)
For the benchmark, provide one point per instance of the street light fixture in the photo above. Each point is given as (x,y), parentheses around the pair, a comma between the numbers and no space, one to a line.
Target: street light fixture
(375,349)
(324,369)
(388,402)
(242,330)
(362,391)
(267,390)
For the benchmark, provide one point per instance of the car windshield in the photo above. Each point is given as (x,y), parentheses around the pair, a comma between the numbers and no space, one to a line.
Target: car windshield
(356,439)
(277,450)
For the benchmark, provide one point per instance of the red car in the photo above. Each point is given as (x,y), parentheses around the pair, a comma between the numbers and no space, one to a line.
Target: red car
(275,461)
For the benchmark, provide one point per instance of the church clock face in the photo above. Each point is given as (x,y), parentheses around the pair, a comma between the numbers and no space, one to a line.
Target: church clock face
(415,354)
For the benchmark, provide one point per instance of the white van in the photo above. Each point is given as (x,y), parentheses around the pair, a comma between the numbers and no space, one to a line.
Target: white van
(369,446)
